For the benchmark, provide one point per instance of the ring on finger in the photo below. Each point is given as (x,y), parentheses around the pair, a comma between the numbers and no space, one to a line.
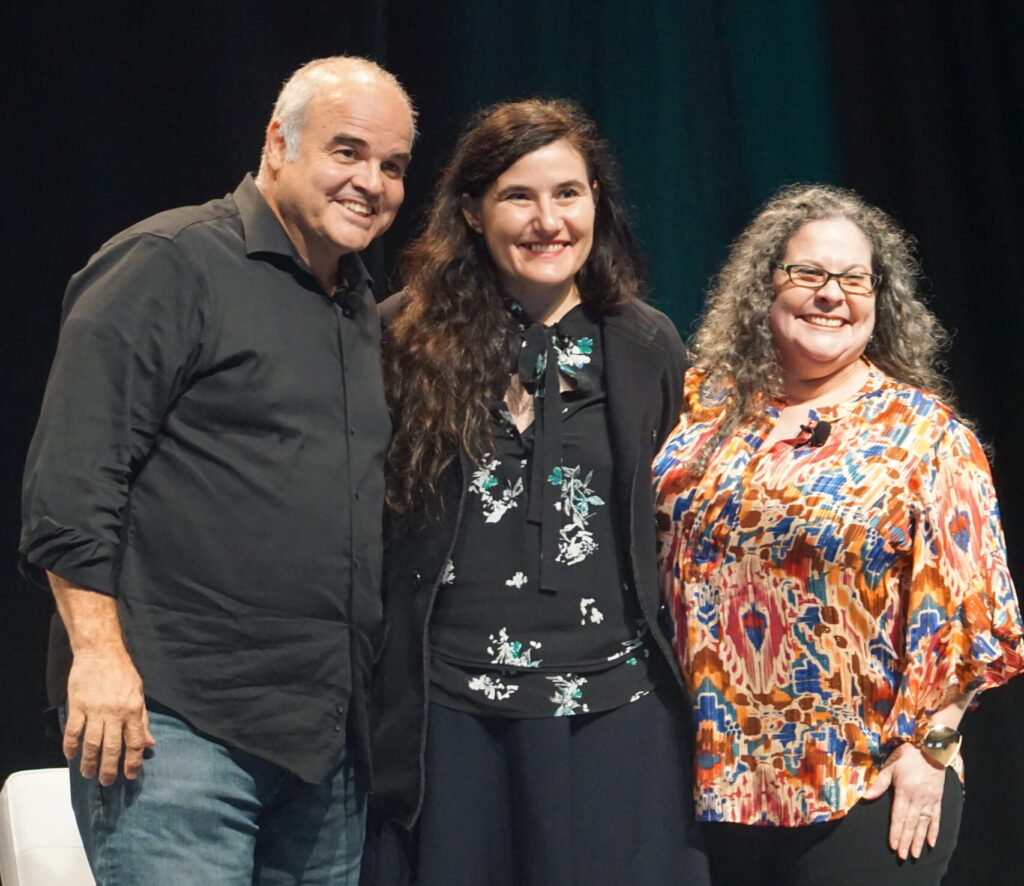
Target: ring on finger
(925,815)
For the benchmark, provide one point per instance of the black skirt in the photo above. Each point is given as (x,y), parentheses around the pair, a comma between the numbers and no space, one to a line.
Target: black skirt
(588,800)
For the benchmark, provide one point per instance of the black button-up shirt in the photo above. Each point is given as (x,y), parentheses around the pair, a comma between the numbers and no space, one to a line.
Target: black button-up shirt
(210,451)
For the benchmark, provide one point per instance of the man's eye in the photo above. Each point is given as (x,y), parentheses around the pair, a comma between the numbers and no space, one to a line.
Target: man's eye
(345,153)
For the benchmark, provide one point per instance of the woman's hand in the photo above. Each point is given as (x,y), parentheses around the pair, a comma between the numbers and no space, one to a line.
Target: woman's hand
(916,781)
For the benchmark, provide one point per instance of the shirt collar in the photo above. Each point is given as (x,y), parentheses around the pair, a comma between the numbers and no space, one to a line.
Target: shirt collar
(352,273)
(264,234)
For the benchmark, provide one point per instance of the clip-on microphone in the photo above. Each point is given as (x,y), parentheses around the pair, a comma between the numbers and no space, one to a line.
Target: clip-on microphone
(819,433)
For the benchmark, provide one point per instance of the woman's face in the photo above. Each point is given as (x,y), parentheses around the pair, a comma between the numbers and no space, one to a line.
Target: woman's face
(819,332)
(537,219)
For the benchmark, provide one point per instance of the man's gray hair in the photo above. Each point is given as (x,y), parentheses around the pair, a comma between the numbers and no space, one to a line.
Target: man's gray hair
(314,78)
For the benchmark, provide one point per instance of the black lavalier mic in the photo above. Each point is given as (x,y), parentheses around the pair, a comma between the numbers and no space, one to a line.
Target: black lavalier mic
(819,433)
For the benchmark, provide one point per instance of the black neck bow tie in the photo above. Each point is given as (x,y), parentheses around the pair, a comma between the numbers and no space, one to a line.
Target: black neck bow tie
(535,358)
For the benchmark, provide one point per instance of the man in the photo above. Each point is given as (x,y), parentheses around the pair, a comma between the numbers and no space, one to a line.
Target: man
(204,493)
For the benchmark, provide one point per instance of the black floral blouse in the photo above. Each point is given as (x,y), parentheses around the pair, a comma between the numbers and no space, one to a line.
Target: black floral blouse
(533,618)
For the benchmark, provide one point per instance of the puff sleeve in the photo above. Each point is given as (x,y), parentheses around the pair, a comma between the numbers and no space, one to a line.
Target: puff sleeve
(962,623)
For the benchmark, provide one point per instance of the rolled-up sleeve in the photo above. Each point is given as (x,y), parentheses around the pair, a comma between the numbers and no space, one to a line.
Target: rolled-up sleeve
(130,333)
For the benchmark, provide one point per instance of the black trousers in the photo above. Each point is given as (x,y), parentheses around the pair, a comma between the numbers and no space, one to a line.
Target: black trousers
(851,851)
(589,800)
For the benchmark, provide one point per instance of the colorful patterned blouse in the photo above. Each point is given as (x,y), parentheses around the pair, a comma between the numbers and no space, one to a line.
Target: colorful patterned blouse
(827,597)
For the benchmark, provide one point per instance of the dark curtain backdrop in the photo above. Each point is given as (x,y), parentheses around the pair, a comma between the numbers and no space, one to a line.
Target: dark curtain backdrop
(700,116)
(929,108)
(114,111)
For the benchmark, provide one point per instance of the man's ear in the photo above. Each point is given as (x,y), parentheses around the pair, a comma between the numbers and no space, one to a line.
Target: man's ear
(471,212)
(273,146)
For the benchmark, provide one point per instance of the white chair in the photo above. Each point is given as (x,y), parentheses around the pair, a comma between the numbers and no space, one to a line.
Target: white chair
(39,841)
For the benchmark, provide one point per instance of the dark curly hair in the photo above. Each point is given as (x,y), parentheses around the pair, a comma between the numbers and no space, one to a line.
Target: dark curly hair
(446,354)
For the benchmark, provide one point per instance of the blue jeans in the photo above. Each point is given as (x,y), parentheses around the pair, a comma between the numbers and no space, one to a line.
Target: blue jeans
(204,813)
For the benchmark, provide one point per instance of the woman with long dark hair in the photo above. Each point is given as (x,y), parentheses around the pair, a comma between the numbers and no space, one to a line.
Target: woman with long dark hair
(528,708)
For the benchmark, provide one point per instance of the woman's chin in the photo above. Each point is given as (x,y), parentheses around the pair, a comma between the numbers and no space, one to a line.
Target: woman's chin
(820,364)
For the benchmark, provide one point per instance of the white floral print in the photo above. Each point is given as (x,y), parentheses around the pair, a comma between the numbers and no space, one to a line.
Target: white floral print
(589,612)
(483,484)
(567,695)
(512,652)
(573,354)
(491,687)
(575,541)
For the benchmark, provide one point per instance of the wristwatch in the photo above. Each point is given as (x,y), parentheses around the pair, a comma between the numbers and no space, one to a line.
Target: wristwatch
(941,743)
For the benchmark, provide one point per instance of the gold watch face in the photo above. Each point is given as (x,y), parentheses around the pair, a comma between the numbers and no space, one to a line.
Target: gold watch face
(941,737)
(941,744)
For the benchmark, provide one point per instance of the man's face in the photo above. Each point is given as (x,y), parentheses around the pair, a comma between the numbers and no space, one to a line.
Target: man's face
(345,184)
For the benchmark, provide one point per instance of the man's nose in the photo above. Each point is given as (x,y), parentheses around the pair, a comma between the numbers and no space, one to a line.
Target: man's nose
(368,177)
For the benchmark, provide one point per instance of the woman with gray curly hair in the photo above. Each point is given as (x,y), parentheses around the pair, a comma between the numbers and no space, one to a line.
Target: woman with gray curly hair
(830,545)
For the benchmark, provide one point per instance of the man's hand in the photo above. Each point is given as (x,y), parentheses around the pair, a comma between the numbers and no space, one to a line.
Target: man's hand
(916,781)
(106,704)
(106,711)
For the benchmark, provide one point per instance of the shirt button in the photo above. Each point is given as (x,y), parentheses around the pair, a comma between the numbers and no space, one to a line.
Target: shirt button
(337,727)
(355,495)
(351,432)
(339,710)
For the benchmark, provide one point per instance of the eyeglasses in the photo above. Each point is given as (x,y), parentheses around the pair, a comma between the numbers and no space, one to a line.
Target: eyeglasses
(851,282)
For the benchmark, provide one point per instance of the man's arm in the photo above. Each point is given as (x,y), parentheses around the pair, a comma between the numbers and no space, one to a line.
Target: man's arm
(106,708)
(131,324)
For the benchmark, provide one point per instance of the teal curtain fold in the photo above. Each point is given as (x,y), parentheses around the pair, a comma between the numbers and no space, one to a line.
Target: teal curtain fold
(710,106)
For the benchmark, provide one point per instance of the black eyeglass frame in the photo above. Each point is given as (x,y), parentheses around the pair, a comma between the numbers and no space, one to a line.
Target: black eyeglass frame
(876,279)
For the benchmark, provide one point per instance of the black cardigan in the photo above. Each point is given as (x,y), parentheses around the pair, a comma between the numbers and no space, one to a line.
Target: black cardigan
(644,365)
